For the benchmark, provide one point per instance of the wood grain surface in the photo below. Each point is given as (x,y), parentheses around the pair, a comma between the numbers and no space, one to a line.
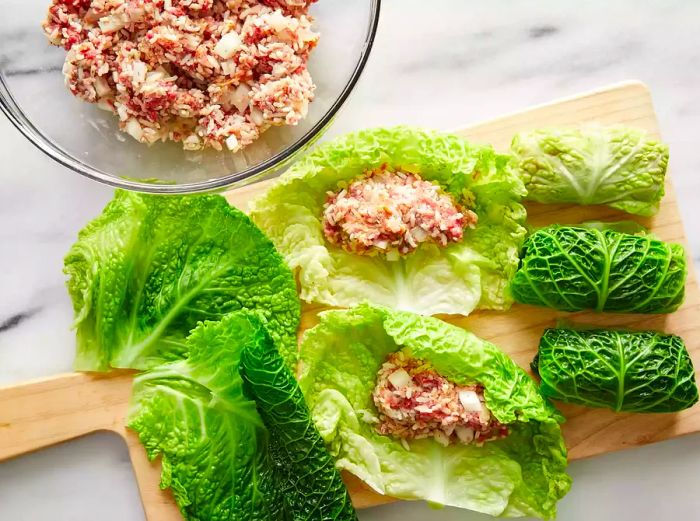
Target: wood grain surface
(53,410)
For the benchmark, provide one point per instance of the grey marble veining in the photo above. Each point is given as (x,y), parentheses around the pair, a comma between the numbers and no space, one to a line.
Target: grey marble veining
(438,64)
(20,28)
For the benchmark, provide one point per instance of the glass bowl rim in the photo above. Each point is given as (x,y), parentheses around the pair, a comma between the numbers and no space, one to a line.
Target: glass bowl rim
(22,123)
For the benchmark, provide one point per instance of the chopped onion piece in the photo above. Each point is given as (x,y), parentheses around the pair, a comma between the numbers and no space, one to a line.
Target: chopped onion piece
(257,116)
(102,87)
(113,23)
(399,378)
(134,129)
(232,143)
(228,45)
(140,70)
(155,76)
(192,142)
(465,434)
(228,67)
(240,97)
(420,234)
(470,401)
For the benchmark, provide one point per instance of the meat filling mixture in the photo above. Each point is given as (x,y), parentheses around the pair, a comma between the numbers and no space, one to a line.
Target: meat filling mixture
(414,401)
(392,212)
(205,73)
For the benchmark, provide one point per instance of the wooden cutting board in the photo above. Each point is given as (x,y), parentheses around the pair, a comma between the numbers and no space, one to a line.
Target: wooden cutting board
(42,413)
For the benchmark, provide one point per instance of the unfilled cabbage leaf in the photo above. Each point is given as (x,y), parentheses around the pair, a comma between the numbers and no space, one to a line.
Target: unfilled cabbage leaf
(642,371)
(456,279)
(311,485)
(621,167)
(573,268)
(522,474)
(232,450)
(149,268)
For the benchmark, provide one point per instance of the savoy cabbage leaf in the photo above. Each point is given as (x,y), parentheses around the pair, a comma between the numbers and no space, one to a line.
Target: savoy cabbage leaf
(621,167)
(235,451)
(473,273)
(311,485)
(523,474)
(625,371)
(573,268)
(146,271)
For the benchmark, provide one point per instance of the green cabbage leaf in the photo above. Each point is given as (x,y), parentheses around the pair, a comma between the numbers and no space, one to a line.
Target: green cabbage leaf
(234,435)
(457,279)
(620,167)
(573,268)
(523,474)
(311,485)
(624,371)
(146,271)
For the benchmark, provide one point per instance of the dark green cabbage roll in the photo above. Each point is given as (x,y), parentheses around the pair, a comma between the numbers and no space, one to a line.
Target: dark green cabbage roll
(573,268)
(625,371)
(621,167)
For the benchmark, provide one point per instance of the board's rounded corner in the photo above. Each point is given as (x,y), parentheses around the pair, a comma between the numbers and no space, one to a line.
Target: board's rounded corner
(639,85)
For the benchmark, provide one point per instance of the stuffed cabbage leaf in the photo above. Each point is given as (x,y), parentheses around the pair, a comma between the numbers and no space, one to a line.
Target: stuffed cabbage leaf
(466,275)
(621,370)
(621,167)
(523,474)
(572,268)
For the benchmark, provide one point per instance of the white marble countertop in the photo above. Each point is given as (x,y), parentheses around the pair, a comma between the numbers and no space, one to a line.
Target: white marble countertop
(455,62)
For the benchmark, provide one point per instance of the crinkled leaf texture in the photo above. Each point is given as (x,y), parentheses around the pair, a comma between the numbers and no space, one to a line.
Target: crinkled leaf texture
(520,475)
(311,485)
(621,167)
(626,371)
(232,450)
(456,279)
(143,273)
(572,268)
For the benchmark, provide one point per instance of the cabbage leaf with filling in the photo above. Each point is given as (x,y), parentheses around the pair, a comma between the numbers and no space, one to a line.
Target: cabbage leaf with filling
(523,474)
(473,273)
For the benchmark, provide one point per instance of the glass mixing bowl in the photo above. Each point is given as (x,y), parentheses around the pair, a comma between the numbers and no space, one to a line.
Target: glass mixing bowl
(87,140)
